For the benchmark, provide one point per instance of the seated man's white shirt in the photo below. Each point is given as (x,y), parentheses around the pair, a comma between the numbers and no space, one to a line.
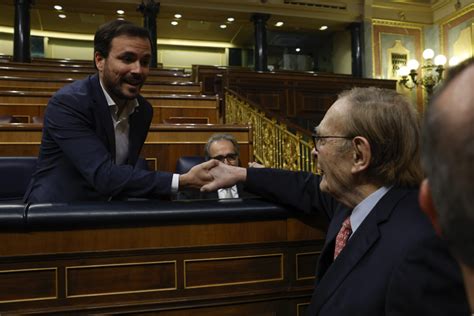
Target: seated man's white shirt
(228,193)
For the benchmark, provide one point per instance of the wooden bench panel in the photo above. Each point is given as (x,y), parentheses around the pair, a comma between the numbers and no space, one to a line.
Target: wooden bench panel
(33,103)
(164,145)
(49,61)
(79,73)
(77,270)
(32,84)
(165,107)
(25,97)
(52,85)
(185,87)
(86,67)
(185,120)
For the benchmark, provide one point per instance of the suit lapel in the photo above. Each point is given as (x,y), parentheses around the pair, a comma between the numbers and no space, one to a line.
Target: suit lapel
(357,247)
(104,117)
(327,253)
(337,272)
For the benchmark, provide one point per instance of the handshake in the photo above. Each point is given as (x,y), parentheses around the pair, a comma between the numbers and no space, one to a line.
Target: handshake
(213,175)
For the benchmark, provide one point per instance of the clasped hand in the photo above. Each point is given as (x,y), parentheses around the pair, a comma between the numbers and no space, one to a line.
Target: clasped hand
(213,175)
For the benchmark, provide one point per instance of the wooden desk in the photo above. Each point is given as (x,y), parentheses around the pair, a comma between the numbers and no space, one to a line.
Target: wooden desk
(54,84)
(164,145)
(33,103)
(45,71)
(194,265)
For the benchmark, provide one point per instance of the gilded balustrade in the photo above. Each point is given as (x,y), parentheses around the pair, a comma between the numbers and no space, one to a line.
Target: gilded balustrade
(273,144)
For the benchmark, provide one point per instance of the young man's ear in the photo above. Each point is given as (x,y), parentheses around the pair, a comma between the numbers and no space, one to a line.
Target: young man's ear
(361,154)
(99,61)
(426,202)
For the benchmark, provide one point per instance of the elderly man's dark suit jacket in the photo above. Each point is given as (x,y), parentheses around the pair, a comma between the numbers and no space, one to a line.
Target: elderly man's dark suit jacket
(195,194)
(77,154)
(394,264)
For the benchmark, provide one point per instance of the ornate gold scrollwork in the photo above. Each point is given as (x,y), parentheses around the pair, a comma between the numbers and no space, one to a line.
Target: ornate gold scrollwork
(273,145)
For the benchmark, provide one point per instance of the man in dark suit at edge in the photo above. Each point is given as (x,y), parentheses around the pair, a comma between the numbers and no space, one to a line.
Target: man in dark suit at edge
(447,194)
(95,128)
(381,255)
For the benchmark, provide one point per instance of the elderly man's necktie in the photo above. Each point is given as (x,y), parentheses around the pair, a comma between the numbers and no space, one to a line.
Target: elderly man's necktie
(342,237)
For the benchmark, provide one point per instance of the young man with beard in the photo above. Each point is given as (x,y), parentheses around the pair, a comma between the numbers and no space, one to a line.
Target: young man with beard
(95,128)
(381,255)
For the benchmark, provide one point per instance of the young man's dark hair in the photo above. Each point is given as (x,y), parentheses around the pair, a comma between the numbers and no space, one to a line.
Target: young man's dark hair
(110,30)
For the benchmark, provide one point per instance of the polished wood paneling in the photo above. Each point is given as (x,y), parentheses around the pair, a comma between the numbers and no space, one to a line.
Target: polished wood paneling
(164,107)
(21,285)
(186,120)
(301,97)
(305,265)
(312,223)
(296,96)
(111,279)
(222,267)
(210,272)
(184,235)
(254,307)
(302,308)
(52,84)
(85,66)
(33,103)
(46,71)
(208,76)
(164,144)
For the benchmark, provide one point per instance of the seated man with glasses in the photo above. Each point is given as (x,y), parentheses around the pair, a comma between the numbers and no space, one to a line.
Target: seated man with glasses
(222,147)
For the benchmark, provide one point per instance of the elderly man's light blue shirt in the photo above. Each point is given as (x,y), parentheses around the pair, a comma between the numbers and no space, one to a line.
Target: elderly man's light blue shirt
(364,208)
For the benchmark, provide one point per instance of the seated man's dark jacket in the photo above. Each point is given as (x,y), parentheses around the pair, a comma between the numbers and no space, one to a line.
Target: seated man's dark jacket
(77,154)
(196,194)
(394,264)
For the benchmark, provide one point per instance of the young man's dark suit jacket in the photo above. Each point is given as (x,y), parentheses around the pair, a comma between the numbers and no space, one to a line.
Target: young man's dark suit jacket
(77,153)
(394,264)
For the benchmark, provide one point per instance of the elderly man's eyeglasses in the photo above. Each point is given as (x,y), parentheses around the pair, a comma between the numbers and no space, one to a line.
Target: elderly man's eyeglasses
(229,157)
(318,140)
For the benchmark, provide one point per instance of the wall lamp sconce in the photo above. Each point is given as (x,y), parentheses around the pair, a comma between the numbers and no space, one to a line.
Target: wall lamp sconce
(431,72)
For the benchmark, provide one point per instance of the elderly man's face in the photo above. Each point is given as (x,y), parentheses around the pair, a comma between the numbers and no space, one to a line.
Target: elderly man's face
(334,157)
(224,151)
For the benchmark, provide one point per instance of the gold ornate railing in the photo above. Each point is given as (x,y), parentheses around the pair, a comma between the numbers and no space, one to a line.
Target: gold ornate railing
(273,144)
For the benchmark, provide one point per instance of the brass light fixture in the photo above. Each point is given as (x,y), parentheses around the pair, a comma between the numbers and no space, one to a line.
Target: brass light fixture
(430,75)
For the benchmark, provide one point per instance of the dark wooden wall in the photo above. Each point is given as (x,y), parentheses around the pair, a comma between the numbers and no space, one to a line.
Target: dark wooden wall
(301,97)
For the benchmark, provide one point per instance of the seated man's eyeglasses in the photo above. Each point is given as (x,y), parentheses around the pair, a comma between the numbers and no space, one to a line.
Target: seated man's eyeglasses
(318,140)
(229,157)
